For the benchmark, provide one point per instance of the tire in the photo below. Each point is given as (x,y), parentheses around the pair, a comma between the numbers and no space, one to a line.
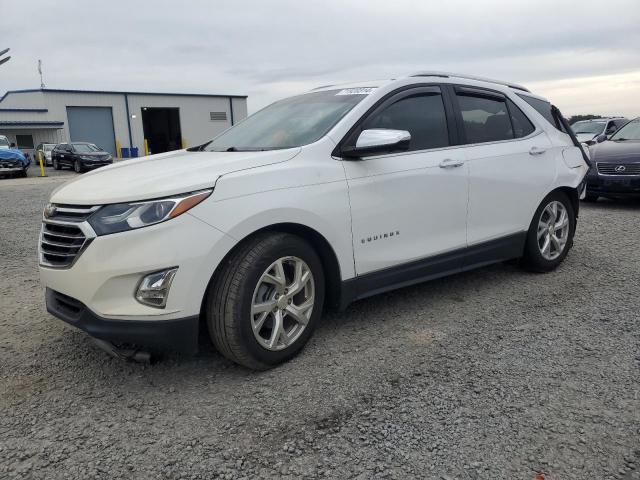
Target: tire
(23,173)
(56,164)
(230,299)
(77,166)
(533,258)
(591,198)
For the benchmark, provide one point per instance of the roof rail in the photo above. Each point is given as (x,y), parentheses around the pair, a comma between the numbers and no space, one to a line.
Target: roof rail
(322,86)
(468,77)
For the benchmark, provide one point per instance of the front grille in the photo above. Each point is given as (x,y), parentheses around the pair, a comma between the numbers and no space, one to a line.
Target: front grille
(619,168)
(65,234)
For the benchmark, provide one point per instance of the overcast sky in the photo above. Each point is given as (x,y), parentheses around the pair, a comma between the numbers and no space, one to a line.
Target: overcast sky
(583,55)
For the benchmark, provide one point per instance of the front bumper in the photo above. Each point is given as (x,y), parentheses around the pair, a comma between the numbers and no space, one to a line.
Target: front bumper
(10,166)
(180,335)
(612,185)
(92,165)
(105,275)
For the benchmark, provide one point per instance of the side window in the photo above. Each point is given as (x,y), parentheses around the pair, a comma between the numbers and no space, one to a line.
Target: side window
(522,126)
(485,119)
(422,115)
(611,128)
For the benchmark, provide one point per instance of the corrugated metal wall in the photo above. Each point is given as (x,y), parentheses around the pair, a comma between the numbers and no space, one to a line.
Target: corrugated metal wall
(196,121)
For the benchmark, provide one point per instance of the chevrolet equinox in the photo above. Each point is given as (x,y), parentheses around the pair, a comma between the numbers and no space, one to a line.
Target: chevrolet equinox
(314,201)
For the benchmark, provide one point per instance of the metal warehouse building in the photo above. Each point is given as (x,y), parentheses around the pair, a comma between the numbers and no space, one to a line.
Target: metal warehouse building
(150,122)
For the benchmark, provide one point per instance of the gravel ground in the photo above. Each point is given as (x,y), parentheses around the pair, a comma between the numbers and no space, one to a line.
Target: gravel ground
(490,374)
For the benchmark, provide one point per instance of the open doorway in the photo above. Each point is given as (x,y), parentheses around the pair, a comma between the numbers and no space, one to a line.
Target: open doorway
(161,128)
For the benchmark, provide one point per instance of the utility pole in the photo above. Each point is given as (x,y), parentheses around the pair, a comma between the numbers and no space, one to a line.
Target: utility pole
(5,59)
(40,72)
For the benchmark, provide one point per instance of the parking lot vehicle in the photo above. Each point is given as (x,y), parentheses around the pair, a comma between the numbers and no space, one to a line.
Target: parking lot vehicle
(45,150)
(317,200)
(12,161)
(597,130)
(80,156)
(616,165)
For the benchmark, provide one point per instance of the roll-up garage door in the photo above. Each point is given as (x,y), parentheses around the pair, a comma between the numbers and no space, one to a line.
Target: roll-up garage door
(94,125)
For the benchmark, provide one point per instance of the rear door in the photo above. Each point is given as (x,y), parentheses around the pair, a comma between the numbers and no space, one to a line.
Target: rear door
(510,162)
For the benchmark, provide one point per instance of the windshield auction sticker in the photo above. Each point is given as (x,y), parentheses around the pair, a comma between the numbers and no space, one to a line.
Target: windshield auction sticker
(357,91)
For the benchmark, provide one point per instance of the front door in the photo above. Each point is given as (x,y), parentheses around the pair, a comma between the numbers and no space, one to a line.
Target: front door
(411,205)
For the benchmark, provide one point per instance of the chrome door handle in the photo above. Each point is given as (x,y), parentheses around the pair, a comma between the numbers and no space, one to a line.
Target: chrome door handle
(450,163)
(537,151)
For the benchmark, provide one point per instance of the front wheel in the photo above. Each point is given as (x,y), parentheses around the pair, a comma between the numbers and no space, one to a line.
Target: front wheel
(550,234)
(56,164)
(265,301)
(77,166)
(590,197)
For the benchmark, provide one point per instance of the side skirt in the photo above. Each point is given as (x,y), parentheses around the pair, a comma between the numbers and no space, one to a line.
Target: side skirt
(469,258)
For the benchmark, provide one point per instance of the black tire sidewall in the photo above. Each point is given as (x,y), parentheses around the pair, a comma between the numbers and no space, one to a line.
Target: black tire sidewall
(77,166)
(533,257)
(291,246)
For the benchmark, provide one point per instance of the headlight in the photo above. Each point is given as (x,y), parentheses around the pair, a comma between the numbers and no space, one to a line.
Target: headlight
(120,217)
(86,157)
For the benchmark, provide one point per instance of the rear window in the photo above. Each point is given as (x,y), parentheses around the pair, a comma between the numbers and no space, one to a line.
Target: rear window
(543,108)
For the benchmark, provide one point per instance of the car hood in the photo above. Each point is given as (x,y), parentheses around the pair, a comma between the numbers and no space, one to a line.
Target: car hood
(13,155)
(161,175)
(616,152)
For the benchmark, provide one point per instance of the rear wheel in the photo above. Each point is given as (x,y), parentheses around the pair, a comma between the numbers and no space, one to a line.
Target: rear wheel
(550,234)
(265,302)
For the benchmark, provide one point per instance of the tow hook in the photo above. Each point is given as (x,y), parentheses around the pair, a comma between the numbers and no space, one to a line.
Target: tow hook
(133,355)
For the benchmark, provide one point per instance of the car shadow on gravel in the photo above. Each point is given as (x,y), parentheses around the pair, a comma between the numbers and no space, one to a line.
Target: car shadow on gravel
(607,204)
(357,327)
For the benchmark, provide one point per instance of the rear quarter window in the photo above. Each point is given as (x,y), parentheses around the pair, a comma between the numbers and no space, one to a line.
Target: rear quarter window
(543,108)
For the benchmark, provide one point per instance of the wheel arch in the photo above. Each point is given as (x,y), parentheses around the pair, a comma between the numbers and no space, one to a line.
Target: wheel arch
(320,244)
(573,195)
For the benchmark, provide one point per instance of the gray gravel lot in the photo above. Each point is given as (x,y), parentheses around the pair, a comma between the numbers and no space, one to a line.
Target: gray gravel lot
(495,374)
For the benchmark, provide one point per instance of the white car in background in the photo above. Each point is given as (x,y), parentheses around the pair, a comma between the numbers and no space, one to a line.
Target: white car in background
(315,201)
(597,130)
(4,143)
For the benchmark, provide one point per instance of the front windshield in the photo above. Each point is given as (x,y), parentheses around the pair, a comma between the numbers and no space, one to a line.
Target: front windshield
(86,148)
(588,127)
(4,142)
(631,131)
(289,123)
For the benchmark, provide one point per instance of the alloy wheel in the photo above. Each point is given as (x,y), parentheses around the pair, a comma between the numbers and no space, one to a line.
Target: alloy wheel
(553,230)
(282,303)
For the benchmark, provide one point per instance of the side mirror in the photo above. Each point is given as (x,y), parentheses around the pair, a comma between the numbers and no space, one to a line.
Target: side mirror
(601,138)
(377,141)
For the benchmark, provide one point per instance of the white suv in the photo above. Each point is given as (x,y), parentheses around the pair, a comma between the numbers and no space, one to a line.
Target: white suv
(317,200)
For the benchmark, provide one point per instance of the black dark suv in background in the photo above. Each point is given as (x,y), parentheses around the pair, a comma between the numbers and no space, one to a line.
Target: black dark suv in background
(80,156)
(615,171)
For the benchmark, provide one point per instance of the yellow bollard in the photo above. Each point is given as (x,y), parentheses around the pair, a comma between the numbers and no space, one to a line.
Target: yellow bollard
(118,151)
(40,155)
(146,147)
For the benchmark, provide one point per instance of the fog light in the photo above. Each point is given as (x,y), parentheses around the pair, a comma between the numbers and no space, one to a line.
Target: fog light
(153,290)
